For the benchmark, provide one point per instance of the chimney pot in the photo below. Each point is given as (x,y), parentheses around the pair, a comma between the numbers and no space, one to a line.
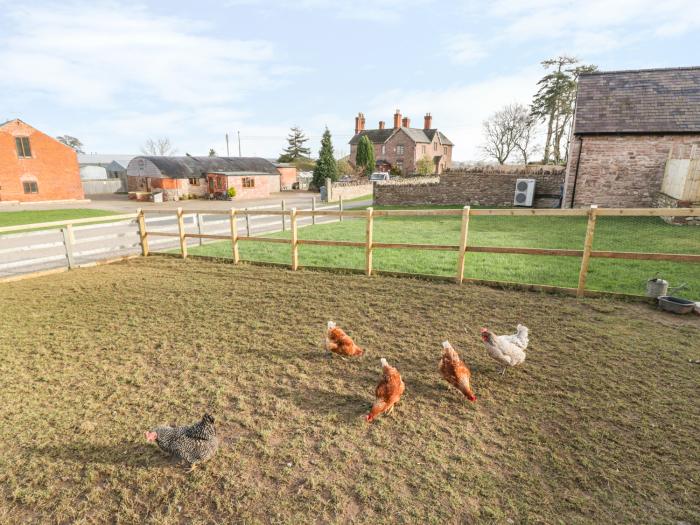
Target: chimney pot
(397,119)
(406,122)
(359,123)
(382,124)
(428,121)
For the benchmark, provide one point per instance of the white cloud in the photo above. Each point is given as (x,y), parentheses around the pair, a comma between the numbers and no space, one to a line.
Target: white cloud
(67,53)
(464,49)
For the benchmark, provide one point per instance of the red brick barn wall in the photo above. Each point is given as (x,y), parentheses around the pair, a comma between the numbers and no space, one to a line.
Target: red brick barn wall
(288,176)
(619,171)
(264,185)
(53,166)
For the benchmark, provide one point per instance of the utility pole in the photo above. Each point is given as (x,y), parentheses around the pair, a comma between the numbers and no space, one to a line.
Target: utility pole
(227,152)
(239,144)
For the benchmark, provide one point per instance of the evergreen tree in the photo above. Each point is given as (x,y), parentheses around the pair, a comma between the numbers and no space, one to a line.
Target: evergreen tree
(554,102)
(212,152)
(326,166)
(296,148)
(365,156)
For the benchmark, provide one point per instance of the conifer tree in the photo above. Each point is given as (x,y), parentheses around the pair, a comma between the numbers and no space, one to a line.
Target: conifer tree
(296,149)
(326,166)
(365,156)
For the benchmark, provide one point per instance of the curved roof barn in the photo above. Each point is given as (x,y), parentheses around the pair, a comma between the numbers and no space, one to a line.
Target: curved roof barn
(194,167)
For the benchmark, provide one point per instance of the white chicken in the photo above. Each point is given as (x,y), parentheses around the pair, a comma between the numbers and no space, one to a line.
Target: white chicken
(509,350)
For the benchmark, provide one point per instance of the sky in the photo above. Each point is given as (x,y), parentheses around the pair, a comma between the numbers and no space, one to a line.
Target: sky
(115,73)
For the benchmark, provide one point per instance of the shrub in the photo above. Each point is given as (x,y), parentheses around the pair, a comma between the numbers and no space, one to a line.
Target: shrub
(231,193)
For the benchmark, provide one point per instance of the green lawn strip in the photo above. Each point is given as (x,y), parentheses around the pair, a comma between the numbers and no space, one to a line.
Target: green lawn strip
(612,233)
(16,218)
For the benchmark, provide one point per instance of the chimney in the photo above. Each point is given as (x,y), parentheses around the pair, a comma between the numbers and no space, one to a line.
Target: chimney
(428,122)
(397,119)
(382,124)
(359,123)
(406,122)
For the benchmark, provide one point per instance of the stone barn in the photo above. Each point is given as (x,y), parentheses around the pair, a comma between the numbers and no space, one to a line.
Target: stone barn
(627,125)
(185,177)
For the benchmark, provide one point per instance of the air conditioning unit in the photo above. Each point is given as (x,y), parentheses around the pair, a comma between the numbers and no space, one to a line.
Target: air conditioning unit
(524,192)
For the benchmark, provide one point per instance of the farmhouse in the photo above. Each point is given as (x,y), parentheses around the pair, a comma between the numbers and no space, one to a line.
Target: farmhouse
(402,146)
(179,177)
(36,167)
(627,125)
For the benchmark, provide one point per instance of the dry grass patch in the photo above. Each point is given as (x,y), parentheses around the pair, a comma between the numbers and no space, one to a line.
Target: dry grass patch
(599,425)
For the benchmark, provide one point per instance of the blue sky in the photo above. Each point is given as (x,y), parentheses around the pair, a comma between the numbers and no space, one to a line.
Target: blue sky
(116,73)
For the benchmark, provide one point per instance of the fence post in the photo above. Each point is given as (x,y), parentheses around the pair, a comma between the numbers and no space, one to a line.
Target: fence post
(295,240)
(340,207)
(587,246)
(284,207)
(247,223)
(200,227)
(313,210)
(143,234)
(68,243)
(181,232)
(463,234)
(368,245)
(234,236)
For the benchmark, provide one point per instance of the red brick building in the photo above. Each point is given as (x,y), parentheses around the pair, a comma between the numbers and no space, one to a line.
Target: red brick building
(36,167)
(626,125)
(402,146)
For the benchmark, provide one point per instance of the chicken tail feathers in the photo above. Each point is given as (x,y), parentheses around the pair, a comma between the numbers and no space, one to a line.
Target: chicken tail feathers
(331,325)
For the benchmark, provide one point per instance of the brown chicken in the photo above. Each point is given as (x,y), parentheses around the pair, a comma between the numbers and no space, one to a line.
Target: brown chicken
(388,391)
(338,342)
(455,371)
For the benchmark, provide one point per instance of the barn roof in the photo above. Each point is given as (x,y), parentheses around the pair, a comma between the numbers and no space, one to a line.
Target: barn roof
(188,167)
(641,101)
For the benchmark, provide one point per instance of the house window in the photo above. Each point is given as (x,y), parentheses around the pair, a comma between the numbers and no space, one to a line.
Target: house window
(423,149)
(194,181)
(399,149)
(435,146)
(30,187)
(383,149)
(23,149)
(248,182)
(444,148)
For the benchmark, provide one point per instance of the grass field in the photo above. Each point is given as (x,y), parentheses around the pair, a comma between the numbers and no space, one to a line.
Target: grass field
(612,233)
(599,425)
(15,218)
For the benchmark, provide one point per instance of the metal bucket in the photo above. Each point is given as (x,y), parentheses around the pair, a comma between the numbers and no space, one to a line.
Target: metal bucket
(656,287)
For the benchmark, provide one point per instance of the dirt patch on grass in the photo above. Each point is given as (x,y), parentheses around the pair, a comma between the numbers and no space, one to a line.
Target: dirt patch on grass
(600,424)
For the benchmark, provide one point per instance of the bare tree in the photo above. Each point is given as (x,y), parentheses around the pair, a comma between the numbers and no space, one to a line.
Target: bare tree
(159,147)
(504,132)
(527,125)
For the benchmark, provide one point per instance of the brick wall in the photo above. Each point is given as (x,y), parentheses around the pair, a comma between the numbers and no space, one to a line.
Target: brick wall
(619,171)
(52,165)
(487,187)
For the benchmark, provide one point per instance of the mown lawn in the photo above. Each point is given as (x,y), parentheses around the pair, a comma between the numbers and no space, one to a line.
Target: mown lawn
(599,425)
(636,234)
(15,218)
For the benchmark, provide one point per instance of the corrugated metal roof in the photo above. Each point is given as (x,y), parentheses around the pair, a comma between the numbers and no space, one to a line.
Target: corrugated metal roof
(643,101)
(188,167)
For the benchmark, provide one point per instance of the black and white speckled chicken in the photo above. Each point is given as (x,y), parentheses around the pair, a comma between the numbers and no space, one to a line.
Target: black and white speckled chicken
(192,444)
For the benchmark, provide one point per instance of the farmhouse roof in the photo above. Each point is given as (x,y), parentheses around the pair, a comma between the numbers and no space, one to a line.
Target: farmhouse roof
(241,173)
(187,167)
(380,136)
(641,101)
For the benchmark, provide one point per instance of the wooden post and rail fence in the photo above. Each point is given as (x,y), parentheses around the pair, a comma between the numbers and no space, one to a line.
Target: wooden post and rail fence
(586,253)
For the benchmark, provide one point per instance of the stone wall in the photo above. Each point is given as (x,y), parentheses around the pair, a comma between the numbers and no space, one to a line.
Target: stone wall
(665,201)
(619,171)
(474,187)
(347,190)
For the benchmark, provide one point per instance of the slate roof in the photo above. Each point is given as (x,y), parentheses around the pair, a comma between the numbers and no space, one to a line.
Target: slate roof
(642,101)
(380,136)
(188,167)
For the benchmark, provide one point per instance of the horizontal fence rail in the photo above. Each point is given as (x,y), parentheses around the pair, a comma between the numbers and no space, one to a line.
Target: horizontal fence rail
(174,227)
(586,253)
